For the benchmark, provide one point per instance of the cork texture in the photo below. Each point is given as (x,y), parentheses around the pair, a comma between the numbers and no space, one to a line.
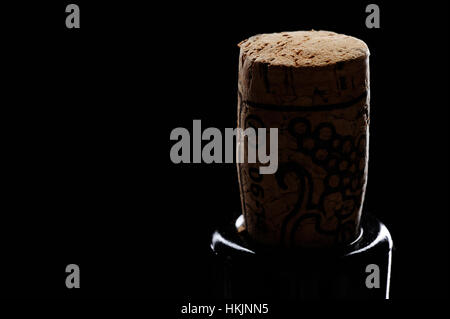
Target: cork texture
(304,68)
(314,87)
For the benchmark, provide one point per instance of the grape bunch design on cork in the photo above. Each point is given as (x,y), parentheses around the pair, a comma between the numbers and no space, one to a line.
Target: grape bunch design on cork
(314,87)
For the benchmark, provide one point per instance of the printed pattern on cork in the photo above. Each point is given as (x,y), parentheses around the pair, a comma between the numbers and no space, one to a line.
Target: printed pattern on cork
(314,87)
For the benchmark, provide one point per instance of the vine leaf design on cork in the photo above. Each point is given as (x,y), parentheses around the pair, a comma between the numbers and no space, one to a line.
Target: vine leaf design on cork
(343,159)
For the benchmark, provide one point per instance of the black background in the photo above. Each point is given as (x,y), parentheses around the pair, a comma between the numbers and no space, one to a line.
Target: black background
(87,116)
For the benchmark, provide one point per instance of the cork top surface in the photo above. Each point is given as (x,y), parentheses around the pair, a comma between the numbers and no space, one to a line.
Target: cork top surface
(303,48)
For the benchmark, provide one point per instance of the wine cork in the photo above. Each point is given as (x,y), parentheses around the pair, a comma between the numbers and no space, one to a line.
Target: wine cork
(314,87)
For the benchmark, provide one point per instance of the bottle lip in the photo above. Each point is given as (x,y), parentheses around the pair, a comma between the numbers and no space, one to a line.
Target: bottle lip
(234,239)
